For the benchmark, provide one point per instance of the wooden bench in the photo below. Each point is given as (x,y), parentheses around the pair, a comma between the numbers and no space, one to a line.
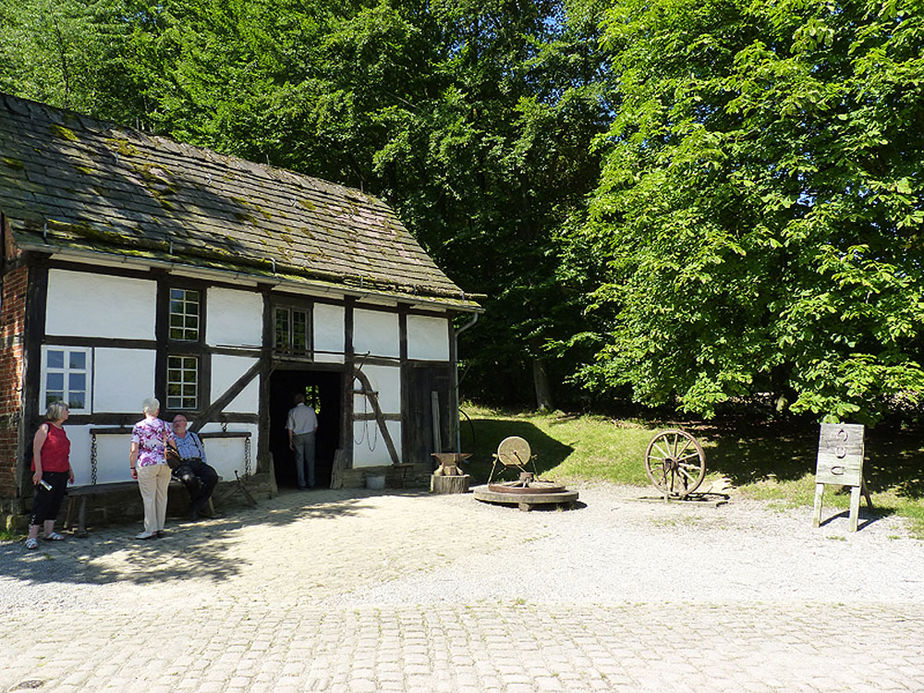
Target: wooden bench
(81,495)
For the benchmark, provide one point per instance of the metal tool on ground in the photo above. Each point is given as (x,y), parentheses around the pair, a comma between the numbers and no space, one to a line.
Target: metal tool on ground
(448,476)
(675,463)
(528,490)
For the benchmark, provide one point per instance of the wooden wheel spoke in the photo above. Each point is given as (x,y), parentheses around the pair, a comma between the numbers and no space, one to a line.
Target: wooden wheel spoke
(675,463)
(686,473)
(662,451)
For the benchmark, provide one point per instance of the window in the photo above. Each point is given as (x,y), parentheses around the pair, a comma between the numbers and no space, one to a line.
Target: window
(184,315)
(292,331)
(182,382)
(66,377)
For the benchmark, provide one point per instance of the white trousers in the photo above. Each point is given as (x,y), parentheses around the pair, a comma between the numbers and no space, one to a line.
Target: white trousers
(153,482)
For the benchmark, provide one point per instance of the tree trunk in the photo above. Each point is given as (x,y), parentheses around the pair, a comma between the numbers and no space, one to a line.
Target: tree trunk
(541,383)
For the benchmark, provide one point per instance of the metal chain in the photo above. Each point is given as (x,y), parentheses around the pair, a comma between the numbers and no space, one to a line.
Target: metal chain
(93,459)
(247,456)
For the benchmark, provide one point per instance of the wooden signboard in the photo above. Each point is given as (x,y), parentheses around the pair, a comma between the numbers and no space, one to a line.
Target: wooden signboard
(840,462)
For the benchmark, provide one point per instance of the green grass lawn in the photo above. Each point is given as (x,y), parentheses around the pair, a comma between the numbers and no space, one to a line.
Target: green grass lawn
(759,461)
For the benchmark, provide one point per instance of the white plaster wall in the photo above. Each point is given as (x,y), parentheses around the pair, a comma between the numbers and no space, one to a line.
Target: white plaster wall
(122,378)
(427,338)
(226,455)
(386,380)
(234,318)
(328,332)
(225,372)
(369,449)
(111,455)
(376,332)
(83,304)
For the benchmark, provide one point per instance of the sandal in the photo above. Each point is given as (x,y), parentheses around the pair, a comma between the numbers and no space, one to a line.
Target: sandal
(31,543)
(54,536)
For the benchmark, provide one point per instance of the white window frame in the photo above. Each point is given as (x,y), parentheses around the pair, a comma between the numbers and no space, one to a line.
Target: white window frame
(186,302)
(66,371)
(289,347)
(172,404)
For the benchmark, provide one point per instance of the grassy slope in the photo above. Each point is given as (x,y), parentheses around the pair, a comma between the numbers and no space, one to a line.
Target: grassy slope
(761,462)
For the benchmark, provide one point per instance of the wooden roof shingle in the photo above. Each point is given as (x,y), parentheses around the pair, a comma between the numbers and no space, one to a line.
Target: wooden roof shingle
(68,182)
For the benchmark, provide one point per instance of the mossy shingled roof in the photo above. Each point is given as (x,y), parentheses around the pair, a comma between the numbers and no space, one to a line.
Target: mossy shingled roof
(71,182)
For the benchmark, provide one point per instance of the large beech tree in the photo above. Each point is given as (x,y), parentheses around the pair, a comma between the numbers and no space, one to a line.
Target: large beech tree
(758,222)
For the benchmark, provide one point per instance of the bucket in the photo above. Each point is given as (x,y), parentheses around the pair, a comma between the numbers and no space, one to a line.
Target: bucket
(375,482)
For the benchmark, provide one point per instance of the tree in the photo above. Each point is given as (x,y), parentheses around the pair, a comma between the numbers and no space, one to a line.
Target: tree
(759,215)
(68,53)
(473,119)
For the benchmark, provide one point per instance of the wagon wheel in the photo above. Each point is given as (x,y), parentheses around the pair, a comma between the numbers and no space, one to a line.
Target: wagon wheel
(675,463)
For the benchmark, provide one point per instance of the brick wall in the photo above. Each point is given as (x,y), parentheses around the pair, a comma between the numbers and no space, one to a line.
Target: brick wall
(12,323)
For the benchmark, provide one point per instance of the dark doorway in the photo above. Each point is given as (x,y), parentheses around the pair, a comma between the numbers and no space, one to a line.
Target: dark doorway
(324,387)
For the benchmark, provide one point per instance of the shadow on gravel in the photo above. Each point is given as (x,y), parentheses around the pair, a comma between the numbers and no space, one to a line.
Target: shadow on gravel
(865,518)
(201,550)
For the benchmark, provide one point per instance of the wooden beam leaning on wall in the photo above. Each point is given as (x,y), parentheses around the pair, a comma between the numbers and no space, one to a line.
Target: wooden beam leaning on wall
(373,398)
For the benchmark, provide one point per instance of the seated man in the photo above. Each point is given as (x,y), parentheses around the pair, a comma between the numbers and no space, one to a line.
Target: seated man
(197,476)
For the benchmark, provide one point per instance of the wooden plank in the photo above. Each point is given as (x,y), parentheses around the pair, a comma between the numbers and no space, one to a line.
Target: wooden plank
(380,419)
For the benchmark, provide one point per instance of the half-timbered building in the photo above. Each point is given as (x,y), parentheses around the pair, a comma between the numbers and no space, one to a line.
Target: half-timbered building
(135,265)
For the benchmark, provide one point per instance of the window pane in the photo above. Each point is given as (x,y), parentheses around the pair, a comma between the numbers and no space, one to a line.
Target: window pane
(77,381)
(189,390)
(54,381)
(176,294)
(174,403)
(192,296)
(299,330)
(55,359)
(53,397)
(79,360)
(173,388)
(77,399)
(174,362)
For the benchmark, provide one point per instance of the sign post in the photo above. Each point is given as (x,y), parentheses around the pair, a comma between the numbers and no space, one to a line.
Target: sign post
(840,462)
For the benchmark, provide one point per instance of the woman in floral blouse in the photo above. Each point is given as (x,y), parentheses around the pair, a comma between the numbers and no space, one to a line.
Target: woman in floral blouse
(149,466)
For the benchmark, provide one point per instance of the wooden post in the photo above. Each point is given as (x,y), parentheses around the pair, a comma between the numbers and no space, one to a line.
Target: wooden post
(435,417)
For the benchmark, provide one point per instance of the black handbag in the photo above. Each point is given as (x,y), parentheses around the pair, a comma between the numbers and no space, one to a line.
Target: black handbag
(171,454)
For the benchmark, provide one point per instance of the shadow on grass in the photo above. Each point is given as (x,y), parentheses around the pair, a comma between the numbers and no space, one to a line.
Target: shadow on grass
(894,461)
(548,452)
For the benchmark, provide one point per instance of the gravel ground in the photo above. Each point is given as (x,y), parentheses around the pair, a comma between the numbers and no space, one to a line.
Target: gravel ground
(618,549)
(357,548)
(351,591)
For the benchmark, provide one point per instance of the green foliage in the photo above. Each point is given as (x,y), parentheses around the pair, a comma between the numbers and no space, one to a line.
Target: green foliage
(68,53)
(759,217)
(473,119)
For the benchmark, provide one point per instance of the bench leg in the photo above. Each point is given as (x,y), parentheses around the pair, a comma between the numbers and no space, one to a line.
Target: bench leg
(82,518)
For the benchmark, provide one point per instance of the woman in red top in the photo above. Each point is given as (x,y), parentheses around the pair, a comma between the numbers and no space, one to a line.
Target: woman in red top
(51,473)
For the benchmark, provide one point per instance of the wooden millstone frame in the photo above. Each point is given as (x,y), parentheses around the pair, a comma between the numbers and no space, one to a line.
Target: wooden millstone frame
(526,501)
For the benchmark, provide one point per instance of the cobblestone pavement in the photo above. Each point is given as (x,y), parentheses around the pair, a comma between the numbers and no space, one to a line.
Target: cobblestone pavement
(351,591)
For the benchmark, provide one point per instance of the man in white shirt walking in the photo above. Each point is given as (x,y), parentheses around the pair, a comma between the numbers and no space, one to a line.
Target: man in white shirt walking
(301,424)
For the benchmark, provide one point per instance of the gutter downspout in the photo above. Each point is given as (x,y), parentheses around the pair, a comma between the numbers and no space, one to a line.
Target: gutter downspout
(455,377)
